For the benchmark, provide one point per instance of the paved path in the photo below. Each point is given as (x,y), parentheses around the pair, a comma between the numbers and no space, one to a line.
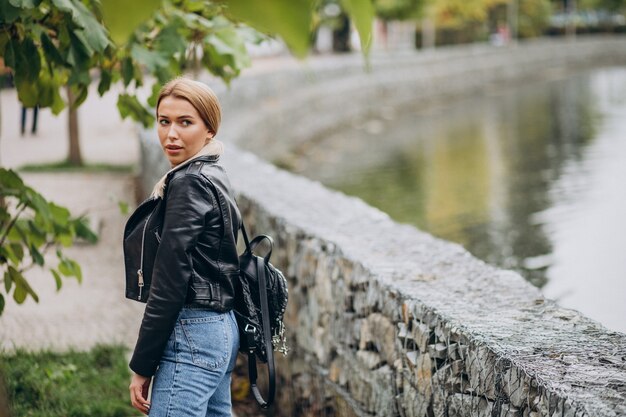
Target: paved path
(78,316)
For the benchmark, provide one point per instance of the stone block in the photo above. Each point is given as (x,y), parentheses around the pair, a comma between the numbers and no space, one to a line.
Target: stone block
(382,333)
(438,351)
(414,404)
(457,367)
(516,385)
(421,335)
(412,358)
(371,360)
(423,374)
(481,367)
(460,405)
(509,411)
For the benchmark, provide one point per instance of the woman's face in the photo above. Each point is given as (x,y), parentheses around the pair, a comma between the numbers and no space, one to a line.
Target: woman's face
(181,130)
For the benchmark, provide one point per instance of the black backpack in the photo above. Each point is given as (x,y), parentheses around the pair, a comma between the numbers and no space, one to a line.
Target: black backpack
(260,303)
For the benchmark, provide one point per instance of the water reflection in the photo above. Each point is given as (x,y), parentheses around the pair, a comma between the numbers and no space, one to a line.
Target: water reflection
(520,177)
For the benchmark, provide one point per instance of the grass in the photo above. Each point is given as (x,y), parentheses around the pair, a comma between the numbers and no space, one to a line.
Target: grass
(65,166)
(73,384)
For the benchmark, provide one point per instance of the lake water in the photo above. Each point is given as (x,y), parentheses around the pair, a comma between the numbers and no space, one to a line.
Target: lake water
(530,178)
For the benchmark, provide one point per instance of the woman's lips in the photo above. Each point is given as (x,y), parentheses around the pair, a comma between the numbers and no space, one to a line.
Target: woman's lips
(173,149)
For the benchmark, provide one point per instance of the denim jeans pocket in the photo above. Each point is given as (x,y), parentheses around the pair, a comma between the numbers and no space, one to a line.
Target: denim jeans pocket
(208,340)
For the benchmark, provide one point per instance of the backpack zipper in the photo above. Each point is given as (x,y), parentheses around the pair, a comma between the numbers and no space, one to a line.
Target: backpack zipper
(140,282)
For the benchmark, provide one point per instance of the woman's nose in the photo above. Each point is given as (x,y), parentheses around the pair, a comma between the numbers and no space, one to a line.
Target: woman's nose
(172,133)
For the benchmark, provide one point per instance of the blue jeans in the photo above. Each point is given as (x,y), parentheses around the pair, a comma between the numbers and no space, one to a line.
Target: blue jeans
(193,378)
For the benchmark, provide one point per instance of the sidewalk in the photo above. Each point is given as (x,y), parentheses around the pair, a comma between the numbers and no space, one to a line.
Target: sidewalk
(78,316)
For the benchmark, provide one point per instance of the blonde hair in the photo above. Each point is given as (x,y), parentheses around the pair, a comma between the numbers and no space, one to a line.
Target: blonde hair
(199,95)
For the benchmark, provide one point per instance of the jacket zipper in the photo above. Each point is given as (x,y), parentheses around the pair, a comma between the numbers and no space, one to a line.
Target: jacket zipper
(140,270)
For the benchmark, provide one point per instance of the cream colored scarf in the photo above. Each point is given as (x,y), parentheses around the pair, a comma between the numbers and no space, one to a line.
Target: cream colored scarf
(214,147)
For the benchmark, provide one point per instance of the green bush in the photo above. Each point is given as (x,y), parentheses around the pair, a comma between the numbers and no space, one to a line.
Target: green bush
(74,384)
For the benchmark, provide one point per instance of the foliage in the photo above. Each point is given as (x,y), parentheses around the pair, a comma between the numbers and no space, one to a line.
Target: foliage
(49,44)
(29,227)
(609,5)
(456,13)
(534,17)
(399,9)
(73,384)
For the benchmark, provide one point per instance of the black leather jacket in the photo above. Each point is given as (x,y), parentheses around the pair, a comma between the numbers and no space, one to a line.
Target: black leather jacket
(185,247)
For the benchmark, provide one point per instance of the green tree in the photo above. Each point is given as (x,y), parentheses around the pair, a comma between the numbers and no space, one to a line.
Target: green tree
(399,9)
(534,17)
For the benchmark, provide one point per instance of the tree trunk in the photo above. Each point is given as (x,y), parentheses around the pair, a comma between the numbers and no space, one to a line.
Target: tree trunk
(428,33)
(74,157)
(570,29)
(513,19)
(341,35)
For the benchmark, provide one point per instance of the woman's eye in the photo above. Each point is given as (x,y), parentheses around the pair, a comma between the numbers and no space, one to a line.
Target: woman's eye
(185,122)
(163,122)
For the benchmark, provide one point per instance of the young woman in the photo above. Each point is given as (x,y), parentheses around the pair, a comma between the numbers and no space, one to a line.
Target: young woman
(181,258)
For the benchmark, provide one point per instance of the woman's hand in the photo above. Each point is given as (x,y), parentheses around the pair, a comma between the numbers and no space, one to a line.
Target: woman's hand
(139,392)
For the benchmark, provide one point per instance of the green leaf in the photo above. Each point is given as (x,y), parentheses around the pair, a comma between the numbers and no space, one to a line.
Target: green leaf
(152,60)
(57,103)
(51,52)
(170,42)
(129,106)
(39,204)
(8,12)
(27,60)
(83,231)
(60,215)
(195,5)
(79,53)
(70,268)
(105,82)
(9,54)
(94,34)
(362,13)
(23,4)
(17,250)
(4,255)
(123,205)
(124,16)
(22,287)
(152,100)
(1,304)
(19,294)
(36,255)
(65,268)
(8,282)
(290,19)
(9,179)
(127,71)
(27,92)
(78,273)
(227,42)
(57,279)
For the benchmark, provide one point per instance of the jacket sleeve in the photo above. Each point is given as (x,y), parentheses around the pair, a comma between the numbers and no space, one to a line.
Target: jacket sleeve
(188,202)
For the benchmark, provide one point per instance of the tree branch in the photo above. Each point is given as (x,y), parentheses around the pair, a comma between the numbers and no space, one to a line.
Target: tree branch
(12,223)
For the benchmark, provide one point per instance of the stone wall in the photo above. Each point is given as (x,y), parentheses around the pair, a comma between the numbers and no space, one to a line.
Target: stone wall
(387,320)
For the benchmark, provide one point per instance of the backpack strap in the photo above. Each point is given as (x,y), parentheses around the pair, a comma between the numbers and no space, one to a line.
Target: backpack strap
(265,313)
(269,350)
